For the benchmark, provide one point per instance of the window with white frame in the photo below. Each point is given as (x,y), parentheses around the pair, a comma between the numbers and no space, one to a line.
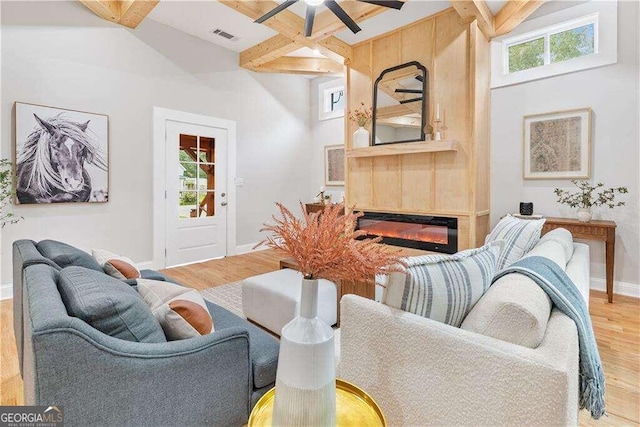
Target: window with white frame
(550,45)
(573,39)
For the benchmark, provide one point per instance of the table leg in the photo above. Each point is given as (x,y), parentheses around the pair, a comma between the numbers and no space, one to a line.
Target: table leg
(610,260)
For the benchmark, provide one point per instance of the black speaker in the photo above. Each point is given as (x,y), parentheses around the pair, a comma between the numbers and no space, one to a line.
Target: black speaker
(526,208)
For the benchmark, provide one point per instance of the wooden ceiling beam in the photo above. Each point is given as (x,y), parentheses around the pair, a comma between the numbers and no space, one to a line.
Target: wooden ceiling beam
(513,14)
(133,12)
(129,13)
(478,10)
(290,25)
(327,24)
(301,65)
(267,51)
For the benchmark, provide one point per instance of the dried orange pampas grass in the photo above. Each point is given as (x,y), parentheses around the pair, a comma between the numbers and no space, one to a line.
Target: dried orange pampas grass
(325,245)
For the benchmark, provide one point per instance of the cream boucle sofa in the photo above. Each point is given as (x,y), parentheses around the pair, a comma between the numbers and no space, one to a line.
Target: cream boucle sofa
(423,372)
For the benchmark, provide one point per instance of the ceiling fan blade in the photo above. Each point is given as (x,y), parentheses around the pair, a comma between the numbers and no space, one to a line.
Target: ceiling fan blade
(342,15)
(394,4)
(308,21)
(275,11)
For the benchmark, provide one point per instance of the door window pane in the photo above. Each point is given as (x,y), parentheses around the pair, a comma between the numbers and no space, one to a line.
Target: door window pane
(526,55)
(207,150)
(187,206)
(572,43)
(207,203)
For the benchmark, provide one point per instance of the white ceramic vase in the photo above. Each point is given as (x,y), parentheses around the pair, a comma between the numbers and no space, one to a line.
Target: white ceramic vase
(584,215)
(361,138)
(306,378)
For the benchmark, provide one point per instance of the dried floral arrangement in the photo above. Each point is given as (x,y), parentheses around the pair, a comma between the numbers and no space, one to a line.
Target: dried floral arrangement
(6,193)
(361,115)
(325,245)
(588,196)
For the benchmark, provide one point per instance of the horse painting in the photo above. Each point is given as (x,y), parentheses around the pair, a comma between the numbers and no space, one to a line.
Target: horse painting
(51,165)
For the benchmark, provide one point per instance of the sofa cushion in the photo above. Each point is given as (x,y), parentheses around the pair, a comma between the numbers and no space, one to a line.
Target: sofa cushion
(550,249)
(444,287)
(563,237)
(116,265)
(515,309)
(520,236)
(108,305)
(264,347)
(65,255)
(181,311)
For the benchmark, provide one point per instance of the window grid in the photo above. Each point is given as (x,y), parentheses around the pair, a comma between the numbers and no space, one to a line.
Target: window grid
(547,32)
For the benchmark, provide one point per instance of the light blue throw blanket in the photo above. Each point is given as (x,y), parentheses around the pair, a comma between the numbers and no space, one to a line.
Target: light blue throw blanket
(567,298)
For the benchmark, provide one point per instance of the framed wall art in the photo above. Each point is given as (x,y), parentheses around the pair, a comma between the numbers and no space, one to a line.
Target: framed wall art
(334,165)
(61,155)
(557,145)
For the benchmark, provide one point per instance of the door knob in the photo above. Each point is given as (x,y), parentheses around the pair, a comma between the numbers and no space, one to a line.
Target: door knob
(223,194)
(223,204)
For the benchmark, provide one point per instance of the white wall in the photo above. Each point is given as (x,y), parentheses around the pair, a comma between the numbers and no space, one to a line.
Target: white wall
(323,133)
(612,93)
(60,54)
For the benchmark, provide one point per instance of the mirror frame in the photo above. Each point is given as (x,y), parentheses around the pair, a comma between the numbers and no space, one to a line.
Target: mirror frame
(425,95)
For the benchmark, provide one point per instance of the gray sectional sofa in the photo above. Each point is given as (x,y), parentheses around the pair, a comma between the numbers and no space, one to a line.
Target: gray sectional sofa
(101,380)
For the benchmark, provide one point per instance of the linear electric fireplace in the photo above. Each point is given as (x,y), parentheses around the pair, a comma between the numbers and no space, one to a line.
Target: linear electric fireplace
(430,233)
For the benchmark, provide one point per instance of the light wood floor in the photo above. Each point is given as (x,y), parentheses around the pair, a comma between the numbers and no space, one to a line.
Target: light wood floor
(617,328)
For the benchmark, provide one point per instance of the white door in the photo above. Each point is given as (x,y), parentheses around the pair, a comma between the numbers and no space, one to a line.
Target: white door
(195,192)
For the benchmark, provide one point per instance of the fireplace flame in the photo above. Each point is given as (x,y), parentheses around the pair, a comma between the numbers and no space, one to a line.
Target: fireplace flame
(408,231)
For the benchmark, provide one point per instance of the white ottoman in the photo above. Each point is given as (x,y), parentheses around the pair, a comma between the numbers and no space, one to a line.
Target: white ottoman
(273,299)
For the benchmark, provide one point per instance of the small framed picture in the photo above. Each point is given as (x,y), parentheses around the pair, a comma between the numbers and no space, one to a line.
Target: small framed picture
(75,166)
(557,145)
(334,165)
(331,100)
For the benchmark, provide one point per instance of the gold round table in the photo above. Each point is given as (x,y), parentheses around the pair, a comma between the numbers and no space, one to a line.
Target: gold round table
(354,408)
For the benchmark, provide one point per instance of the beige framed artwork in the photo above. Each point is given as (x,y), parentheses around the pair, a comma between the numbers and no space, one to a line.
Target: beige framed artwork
(557,145)
(334,165)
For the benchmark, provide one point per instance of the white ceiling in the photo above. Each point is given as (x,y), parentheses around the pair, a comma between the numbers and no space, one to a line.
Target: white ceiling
(200,18)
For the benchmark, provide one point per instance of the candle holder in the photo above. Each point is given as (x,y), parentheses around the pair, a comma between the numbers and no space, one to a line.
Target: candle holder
(438,135)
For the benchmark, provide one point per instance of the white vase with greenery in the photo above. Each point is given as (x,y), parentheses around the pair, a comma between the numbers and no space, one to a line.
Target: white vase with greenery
(589,196)
(362,116)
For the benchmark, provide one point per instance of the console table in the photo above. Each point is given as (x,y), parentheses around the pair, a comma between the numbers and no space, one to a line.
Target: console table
(604,231)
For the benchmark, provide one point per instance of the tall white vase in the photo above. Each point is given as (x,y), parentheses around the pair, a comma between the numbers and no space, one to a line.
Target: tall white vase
(306,378)
(361,138)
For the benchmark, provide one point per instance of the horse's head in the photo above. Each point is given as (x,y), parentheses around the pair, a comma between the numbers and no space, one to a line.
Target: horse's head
(67,155)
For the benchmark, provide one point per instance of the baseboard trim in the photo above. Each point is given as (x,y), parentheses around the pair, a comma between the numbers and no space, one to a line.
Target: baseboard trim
(620,288)
(249,247)
(6,291)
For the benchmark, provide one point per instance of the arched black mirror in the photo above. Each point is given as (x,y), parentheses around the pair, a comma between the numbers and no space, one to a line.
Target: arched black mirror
(400,104)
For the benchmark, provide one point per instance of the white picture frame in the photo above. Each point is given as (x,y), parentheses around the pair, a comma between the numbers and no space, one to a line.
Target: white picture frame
(557,145)
(79,171)
(331,100)
(334,165)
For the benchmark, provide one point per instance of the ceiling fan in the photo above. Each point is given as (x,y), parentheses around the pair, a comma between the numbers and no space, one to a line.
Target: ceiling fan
(333,6)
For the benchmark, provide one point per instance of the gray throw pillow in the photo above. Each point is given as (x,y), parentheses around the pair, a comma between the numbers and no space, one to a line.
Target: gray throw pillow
(108,305)
(444,287)
(66,255)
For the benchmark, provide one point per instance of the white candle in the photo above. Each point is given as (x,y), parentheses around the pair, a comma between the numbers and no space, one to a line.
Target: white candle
(437,111)
(322,188)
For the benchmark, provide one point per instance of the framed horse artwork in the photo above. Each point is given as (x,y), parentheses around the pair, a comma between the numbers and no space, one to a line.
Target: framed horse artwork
(61,156)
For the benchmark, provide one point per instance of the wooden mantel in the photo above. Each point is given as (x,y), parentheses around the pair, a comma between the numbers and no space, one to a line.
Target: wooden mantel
(403,148)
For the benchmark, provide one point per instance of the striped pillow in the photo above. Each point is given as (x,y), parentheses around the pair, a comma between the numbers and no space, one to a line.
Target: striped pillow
(444,287)
(520,236)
